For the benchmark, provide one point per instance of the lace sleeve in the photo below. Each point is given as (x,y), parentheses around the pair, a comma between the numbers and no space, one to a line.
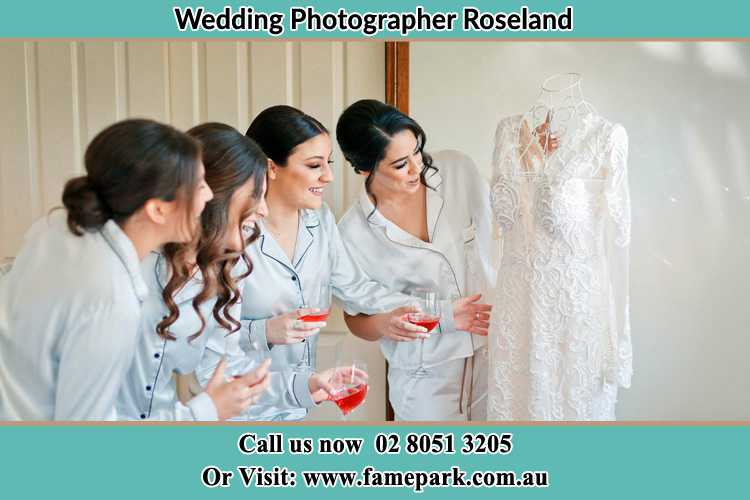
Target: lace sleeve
(473,192)
(504,195)
(618,256)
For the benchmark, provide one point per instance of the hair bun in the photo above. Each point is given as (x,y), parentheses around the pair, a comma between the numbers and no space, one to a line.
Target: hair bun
(86,210)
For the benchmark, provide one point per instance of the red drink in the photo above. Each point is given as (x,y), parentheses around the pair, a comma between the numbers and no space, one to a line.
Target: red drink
(316,317)
(424,320)
(350,397)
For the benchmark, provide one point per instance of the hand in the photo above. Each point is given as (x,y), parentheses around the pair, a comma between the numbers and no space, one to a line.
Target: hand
(547,141)
(289,329)
(396,326)
(232,398)
(320,385)
(469,316)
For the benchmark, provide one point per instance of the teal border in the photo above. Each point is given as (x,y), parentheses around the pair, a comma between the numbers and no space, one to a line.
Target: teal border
(593,19)
(163,461)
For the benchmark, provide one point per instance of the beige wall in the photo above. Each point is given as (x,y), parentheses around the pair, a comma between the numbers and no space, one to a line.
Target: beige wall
(55,96)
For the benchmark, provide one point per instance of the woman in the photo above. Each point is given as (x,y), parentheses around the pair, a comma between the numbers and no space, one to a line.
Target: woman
(195,291)
(71,305)
(299,249)
(419,223)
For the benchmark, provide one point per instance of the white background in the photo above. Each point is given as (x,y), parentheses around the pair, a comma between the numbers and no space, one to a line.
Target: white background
(686,107)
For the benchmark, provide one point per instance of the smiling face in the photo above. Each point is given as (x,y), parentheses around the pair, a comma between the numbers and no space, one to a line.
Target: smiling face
(398,172)
(203,195)
(307,172)
(259,208)
(185,229)
(245,210)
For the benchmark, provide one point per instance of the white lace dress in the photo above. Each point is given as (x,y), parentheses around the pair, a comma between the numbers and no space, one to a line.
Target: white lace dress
(560,335)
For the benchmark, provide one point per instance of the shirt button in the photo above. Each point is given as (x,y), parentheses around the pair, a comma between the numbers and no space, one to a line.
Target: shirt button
(143,416)
(148,387)
(157,355)
(294,278)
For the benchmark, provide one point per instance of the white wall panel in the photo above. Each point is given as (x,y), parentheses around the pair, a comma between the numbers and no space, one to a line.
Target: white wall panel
(274,75)
(59,118)
(227,82)
(148,80)
(100,67)
(20,188)
(185,83)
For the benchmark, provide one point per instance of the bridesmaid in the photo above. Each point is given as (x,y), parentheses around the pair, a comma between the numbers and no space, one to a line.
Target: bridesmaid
(71,305)
(195,291)
(299,250)
(421,221)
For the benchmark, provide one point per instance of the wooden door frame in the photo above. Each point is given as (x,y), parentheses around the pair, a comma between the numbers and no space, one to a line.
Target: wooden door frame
(397,95)
(397,75)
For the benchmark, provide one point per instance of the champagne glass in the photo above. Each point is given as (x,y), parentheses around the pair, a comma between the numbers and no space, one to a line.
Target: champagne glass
(349,381)
(320,299)
(427,300)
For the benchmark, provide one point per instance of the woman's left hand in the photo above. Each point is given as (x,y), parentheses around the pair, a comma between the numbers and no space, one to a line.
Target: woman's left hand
(471,316)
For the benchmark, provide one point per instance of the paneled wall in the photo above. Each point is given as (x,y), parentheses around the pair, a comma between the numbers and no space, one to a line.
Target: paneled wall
(55,96)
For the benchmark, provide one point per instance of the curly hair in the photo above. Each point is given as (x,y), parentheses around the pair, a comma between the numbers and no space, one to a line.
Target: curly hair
(230,160)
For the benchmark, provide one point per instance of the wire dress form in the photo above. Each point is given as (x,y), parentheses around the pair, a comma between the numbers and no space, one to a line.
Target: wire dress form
(560,334)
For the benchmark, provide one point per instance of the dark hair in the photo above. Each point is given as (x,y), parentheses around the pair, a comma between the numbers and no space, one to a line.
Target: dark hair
(231,160)
(127,164)
(280,129)
(364,131)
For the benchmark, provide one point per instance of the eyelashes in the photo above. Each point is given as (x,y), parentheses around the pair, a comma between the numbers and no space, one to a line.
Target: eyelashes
(402,165)
(318,165)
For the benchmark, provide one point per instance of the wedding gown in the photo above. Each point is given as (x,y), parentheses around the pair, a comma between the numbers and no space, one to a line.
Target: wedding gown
(560,334)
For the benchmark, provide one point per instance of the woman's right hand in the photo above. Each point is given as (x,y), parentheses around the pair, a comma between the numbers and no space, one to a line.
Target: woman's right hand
(233,397)
(322,389)
(547,140)
(290,329)
(395,325)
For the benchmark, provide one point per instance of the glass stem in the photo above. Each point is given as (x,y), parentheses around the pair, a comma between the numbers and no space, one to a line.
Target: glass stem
(421,355)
